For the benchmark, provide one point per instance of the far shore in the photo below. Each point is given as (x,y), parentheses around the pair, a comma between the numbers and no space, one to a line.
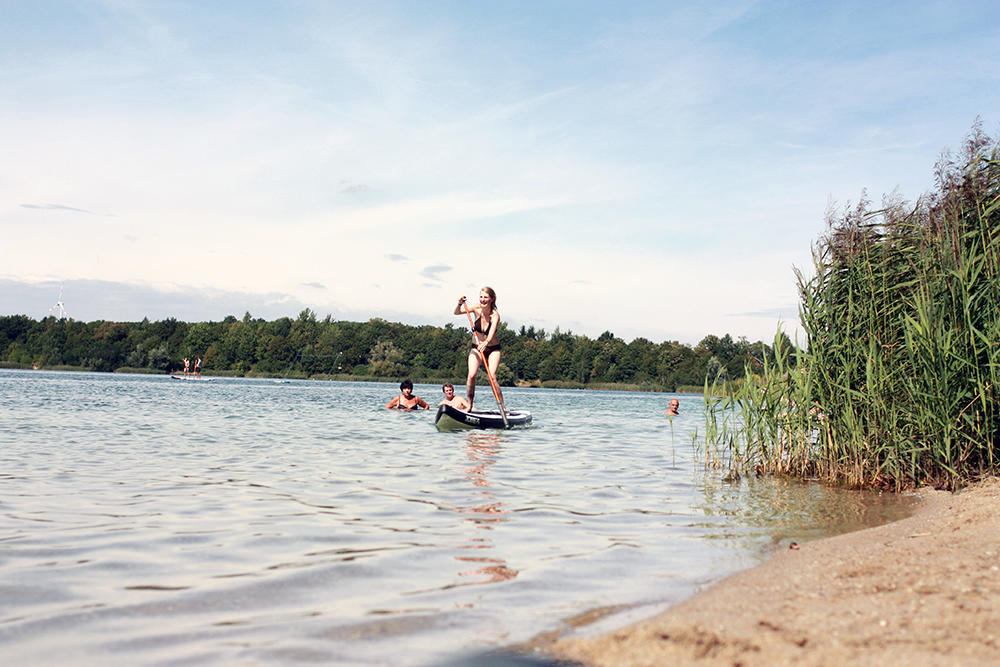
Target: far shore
(921,592)
(340,377)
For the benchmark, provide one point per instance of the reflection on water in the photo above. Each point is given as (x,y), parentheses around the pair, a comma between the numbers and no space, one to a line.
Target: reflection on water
(144,521)
(482,450)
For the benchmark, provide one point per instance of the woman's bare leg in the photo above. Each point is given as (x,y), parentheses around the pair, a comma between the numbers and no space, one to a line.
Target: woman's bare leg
(494,362)
(470,382)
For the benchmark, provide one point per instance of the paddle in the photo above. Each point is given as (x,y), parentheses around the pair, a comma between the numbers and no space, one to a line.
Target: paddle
(486,365)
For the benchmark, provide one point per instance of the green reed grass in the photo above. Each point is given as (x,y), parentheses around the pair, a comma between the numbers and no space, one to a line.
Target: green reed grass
(898,386)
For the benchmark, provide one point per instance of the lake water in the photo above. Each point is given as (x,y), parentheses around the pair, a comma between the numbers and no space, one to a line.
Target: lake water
(149,521)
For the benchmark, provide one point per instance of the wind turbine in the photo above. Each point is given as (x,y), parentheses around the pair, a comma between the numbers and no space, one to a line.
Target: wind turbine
(60,306)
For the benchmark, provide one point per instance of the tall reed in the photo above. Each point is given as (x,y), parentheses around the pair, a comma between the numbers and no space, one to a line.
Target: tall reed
(898,386)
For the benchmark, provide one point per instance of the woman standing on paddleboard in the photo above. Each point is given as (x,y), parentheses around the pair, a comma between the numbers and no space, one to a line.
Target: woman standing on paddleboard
(484,333)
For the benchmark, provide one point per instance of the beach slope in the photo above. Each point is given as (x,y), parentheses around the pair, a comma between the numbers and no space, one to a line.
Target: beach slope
(921,591)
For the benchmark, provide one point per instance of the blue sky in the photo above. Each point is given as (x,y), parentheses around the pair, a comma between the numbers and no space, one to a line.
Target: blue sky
(654,169)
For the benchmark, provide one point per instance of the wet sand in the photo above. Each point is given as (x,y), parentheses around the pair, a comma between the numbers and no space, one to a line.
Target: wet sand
(921,591)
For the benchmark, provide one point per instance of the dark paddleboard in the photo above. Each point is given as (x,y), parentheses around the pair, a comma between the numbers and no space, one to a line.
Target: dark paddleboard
(449,418)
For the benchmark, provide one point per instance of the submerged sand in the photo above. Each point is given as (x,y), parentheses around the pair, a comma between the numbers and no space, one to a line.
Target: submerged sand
(921,591)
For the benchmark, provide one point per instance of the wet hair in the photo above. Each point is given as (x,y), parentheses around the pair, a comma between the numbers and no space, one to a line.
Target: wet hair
(493,295)
(446,385)
(406,384)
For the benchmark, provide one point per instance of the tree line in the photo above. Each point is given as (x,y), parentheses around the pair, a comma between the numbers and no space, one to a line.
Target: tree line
(309,347)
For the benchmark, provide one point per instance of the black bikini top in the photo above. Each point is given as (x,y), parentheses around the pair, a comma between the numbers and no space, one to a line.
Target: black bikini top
(400,406)
(476,328)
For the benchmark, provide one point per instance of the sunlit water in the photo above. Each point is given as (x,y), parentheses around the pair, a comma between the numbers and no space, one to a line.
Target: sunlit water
(149,521)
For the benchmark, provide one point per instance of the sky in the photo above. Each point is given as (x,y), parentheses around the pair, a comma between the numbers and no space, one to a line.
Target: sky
(653,169)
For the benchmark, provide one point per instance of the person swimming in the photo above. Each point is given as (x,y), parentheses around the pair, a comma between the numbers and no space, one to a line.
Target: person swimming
(451,399)
(406,400)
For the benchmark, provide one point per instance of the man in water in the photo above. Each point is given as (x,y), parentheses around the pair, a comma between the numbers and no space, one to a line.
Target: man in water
(672,410)
(451,399)
(406,400)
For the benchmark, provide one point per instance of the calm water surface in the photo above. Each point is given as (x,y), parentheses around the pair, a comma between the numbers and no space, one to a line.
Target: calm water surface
(148,521)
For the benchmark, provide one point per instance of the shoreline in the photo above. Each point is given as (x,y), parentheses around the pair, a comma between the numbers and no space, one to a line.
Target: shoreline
(921,591)
(326,377)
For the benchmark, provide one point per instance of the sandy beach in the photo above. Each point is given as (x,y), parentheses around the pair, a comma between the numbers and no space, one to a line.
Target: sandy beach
(921,591)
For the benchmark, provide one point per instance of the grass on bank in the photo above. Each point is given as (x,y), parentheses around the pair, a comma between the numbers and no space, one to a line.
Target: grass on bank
(898,387)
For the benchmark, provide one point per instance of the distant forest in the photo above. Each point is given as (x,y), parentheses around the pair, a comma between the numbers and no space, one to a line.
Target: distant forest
(307,347)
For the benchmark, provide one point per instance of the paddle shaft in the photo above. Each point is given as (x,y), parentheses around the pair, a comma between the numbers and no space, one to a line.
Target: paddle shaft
(486,365)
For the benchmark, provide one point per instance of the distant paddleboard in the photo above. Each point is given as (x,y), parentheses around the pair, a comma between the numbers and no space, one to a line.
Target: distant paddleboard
(191,378)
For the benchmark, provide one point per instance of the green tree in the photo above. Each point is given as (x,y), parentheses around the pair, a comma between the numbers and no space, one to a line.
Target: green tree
(386,360)
(199,338)
(715,371)
(159,357)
